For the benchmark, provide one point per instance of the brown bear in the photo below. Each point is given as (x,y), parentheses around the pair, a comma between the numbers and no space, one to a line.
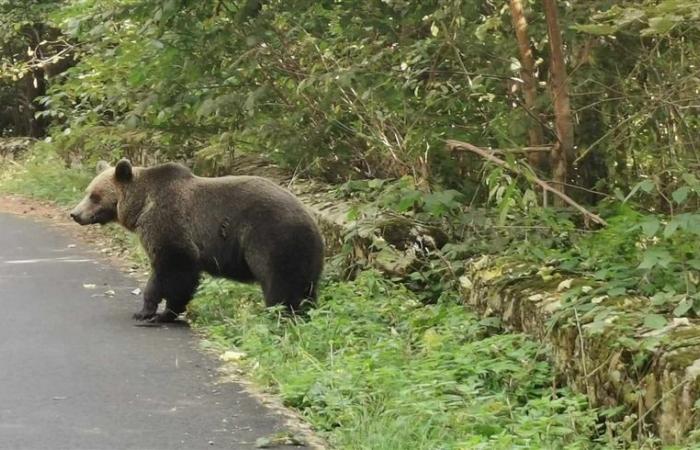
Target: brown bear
(245,228)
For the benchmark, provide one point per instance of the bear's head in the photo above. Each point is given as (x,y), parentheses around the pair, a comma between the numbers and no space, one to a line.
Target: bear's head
(100,202)
(102,197)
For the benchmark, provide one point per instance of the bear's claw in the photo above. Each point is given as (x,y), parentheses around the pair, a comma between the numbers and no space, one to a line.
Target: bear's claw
(164,317)
(143,316)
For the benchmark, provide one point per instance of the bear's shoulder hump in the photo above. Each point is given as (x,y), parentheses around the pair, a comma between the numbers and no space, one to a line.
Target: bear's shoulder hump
(169,171)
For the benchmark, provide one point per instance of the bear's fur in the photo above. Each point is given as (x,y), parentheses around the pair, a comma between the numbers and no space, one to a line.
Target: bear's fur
(245,228)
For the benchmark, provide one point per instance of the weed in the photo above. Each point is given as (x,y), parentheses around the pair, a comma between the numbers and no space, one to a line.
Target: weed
(373,368)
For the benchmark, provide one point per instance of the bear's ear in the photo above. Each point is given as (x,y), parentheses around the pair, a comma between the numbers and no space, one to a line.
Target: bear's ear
(101,166)
(123,172)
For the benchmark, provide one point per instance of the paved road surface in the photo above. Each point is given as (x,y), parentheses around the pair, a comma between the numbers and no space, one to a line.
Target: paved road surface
(75,373)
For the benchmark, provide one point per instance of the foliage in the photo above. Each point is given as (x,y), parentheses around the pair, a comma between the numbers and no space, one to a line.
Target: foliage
(31,50)
(350,88)
(364,93)
(372,367)
(644,253)
(372,361)
(630,52)
(402,196)
(647,254)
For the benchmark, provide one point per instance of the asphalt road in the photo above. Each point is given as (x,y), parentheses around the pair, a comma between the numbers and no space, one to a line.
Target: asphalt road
(75,373)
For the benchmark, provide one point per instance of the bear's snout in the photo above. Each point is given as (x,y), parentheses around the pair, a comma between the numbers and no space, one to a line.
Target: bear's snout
(75,216)
(79,214)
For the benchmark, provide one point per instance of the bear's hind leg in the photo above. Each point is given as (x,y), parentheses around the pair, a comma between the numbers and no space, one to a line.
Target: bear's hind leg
(294,294)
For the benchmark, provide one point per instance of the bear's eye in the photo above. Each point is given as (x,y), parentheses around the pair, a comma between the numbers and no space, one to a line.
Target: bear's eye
(95,198)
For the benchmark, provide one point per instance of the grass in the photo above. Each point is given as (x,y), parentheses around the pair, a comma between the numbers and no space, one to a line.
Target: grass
(372,367)
(44,176)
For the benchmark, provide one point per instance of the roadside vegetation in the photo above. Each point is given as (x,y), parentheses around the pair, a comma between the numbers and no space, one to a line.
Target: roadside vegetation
(373,366)
(380,365)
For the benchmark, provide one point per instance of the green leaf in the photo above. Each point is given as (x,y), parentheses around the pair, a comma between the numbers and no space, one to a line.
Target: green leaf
(689,222)
(671,227)
(515,64)
(440,202)
(207,107)
(655,257)
(490,24)
(629,15)
(694,263)
(72,27)
(434,30)
(376,183)
(137,77)
(690,179)
(650,226)
(661,25)
(616,291)
(680,194)
(660,298)
(682,308)
(353,213)
(655,321)
(408,201)
(597,327)
(619,195)
(645,185)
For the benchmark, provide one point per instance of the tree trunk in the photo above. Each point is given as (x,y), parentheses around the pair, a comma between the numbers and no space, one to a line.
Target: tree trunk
(34,86)
(564,150)
(527,73)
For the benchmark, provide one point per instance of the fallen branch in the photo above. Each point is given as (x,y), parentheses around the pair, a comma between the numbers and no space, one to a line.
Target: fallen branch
(538,148)
(453,144)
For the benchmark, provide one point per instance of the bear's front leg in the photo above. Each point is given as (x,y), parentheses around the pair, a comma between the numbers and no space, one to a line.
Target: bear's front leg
(175,277)
(178,292)
(152,295)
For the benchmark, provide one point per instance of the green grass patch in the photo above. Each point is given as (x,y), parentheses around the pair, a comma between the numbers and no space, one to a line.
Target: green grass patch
(45,176)
(373,368)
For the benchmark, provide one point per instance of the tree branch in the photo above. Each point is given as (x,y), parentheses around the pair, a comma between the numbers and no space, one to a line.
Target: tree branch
(496,151)
(454,144)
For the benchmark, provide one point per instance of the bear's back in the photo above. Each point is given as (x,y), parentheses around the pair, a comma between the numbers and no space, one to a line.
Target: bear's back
(247,196)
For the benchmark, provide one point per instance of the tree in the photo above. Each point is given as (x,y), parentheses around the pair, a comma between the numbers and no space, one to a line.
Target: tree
(527,73)
(31,51)
(563,150)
